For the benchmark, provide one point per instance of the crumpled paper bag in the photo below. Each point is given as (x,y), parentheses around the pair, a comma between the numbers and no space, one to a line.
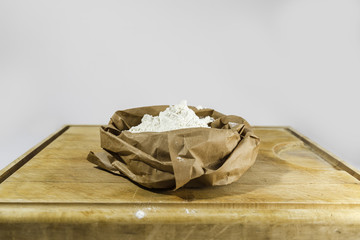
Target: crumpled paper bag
(191,157)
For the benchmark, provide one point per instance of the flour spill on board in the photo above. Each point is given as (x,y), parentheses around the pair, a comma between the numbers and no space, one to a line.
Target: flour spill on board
(174,117)
(140,214)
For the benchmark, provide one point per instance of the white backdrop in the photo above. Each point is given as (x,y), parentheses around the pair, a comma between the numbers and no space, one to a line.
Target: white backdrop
(272,62)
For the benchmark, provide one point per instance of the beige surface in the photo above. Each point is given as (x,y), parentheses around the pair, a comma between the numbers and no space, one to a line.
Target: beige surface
(295,189)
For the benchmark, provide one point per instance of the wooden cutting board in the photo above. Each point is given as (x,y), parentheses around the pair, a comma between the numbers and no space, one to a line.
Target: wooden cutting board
(295,190)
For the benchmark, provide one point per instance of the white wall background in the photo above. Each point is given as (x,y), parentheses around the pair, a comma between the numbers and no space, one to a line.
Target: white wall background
(272,62)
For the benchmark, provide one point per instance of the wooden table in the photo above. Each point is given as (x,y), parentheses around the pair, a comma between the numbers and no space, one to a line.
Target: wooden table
(295,190)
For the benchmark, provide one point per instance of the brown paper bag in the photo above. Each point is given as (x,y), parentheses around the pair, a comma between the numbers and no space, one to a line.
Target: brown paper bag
(191,157)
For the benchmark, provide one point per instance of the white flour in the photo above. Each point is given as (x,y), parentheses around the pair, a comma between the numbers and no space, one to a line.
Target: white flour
(174,117)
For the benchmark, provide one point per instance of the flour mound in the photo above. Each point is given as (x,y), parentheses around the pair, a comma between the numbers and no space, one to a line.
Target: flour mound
(172,118)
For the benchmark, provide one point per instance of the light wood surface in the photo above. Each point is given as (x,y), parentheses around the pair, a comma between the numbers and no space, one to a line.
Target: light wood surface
(295,190)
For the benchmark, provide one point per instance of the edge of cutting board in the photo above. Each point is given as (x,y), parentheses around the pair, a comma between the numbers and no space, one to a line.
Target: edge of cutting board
(24,158)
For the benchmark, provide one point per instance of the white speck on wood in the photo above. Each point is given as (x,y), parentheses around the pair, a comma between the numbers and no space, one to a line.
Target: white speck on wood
(140,214)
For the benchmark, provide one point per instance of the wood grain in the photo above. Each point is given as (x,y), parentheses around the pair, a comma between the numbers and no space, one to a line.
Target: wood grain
(295,190)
